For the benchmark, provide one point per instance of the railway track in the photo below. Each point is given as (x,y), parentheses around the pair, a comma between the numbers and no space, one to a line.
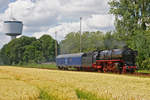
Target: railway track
(141,74)
(134,74)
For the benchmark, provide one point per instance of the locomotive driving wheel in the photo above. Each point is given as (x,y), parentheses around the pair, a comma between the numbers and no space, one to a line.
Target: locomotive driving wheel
(104,69)
(115,68)
(100,70)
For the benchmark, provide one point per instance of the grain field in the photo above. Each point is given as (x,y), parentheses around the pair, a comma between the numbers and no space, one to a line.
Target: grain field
(42,84)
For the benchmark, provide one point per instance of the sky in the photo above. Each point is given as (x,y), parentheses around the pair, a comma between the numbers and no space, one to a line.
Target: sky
(62,16)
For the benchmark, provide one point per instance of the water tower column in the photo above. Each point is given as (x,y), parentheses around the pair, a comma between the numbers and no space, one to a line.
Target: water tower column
(13,37)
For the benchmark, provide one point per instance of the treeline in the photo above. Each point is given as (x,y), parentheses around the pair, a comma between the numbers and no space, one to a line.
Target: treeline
(25,50)
(1,62)
(91,41)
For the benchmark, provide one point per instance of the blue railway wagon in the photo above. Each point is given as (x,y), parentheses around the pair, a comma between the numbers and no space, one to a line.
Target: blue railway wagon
(69,60)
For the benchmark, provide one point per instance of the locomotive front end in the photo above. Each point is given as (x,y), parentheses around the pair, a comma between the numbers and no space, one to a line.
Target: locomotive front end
(129,58)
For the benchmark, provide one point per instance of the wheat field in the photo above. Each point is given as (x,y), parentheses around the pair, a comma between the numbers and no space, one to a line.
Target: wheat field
(18,83)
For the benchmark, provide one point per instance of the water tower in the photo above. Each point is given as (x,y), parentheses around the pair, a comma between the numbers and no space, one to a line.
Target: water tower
(13,28)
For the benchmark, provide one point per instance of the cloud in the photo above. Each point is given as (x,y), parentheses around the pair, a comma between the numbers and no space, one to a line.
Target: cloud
(3,5)
(100,21)
(45,13)
(94,23)
(3,39)
(45,16)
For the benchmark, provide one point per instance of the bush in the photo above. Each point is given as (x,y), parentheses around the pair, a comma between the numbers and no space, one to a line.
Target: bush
(146,64)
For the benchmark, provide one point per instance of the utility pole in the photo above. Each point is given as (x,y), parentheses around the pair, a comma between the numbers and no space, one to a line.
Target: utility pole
(56,44)
(80,34)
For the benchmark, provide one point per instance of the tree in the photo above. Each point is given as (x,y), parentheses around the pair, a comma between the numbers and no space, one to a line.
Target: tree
(111,42)
(1,62)
(133,26)
(12,53)
(131,15)
(140,42)
(48,47)
(71,43)
(28,50)
(91,41)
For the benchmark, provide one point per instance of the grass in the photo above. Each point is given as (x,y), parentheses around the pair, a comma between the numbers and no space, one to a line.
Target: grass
(143,71)
(53,66)
(81,94)
(17,83)
(42,66)
(45,96)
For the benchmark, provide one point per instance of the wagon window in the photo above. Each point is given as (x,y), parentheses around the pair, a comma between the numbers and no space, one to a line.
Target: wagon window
(66,61)
(70,59)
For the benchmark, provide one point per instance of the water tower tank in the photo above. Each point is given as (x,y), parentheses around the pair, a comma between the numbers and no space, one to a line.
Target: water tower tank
(13,28)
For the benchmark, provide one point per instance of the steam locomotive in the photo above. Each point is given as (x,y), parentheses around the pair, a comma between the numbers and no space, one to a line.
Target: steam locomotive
(115,60)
